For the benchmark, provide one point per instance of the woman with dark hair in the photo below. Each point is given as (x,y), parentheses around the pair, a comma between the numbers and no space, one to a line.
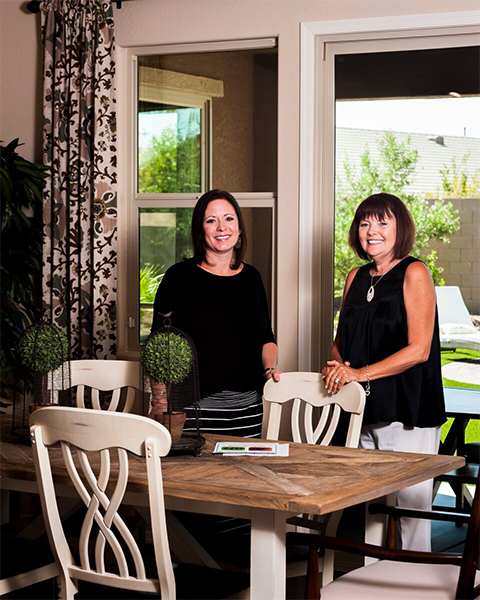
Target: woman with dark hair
(220,302)
(388,339)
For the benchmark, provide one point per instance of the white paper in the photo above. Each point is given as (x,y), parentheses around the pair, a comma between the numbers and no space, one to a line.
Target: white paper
(251,449)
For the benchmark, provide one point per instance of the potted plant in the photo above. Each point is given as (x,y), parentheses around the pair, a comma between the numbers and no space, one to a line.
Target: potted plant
(167,361)
(43,348)
(21,253)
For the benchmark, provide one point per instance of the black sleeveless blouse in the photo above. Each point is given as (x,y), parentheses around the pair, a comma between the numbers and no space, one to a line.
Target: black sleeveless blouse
(372,331)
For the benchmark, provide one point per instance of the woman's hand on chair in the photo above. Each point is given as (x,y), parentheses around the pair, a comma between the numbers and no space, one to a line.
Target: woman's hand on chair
(273,374)
(335,375)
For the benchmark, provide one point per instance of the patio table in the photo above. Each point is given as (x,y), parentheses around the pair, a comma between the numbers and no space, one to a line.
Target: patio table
(461,404)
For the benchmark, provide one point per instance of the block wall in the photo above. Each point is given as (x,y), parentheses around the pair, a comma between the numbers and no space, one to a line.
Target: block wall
(461,258)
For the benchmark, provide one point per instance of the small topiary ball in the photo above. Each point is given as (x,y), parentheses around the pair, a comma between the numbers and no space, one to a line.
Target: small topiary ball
(167,358)
(43,347)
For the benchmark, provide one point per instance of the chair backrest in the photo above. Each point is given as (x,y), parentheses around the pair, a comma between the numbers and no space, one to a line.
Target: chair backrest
(315,413)
(96,437)
(91,377)
(451,306)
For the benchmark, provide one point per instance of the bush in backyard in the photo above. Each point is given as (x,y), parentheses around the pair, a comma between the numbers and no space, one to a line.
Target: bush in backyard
(392,173)
(150,278)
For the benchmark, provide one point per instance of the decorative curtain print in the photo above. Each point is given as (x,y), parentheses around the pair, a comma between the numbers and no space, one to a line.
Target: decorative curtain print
(80,199)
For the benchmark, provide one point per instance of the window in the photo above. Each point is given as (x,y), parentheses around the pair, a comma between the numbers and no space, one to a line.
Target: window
(173,131)
(169,148)
(164,240)
(201,117)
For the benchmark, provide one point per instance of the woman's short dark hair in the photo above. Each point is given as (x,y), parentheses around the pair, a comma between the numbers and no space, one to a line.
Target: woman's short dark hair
(198,234)
(381,206)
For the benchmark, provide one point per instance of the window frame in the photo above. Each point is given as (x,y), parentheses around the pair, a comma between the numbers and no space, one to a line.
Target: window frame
(189,100)
(128,301)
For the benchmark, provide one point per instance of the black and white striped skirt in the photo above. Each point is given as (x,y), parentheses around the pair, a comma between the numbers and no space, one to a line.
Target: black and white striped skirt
(225,413)
(230,413)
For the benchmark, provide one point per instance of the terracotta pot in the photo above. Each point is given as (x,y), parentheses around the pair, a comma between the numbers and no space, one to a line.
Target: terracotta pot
(159,401)
(173,422)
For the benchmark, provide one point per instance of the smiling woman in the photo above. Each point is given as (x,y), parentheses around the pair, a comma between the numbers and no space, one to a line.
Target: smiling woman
(220,302)
(221,230)
(388,338)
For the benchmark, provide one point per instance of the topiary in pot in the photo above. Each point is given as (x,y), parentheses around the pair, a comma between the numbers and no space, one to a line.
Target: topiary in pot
(43,348)
(167,360)
(167,357)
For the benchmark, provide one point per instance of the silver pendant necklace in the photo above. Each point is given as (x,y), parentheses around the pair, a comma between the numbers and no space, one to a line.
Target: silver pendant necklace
(371,289)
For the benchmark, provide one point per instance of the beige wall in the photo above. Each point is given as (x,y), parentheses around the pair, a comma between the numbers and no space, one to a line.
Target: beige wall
(20,77)
(150,22)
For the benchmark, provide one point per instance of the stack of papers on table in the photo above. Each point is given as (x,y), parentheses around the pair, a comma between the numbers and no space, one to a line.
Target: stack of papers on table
(250,449)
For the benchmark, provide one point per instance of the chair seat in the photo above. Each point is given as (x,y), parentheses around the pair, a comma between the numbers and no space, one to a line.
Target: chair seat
(392,580)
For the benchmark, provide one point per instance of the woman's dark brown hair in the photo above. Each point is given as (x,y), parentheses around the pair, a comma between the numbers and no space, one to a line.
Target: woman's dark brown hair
(198,234)
(381,206)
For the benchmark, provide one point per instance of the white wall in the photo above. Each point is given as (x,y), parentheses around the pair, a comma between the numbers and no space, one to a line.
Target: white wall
(150,22)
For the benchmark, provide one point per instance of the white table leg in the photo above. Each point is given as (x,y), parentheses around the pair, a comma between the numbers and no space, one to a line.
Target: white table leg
(268,556)
(376,526)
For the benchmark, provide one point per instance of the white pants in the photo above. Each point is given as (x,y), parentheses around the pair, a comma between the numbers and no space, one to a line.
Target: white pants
(414,534)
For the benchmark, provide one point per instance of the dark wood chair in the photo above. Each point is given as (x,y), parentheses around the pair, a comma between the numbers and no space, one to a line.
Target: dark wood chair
(460,478)
(463,405)
(402,573)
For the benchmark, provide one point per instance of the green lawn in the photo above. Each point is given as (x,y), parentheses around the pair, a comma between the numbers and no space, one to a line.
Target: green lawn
(472,433)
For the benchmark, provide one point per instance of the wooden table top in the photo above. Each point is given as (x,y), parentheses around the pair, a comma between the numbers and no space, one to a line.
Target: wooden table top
(313,479)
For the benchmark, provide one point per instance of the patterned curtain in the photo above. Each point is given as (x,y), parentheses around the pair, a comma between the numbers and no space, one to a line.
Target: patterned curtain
(80,199)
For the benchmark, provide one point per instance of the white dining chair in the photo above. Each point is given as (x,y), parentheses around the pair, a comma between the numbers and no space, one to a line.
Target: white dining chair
(314,418)
(90,440)
(91,377)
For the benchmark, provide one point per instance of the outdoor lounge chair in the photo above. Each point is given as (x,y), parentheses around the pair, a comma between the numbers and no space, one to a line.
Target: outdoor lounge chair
(456,327)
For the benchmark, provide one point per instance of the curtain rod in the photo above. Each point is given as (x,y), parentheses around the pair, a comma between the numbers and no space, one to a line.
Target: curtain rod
(34,5)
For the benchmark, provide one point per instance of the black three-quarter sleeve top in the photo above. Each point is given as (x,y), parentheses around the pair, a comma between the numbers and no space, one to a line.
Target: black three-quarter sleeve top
(372,331)
(227,319)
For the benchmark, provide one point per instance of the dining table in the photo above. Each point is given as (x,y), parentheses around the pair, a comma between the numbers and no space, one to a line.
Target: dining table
(266,490)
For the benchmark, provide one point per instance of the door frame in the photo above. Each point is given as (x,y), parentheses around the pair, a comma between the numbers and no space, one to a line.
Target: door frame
(317,128)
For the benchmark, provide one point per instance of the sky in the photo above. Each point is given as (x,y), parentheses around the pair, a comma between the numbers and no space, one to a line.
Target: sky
(153,124)
(438,116)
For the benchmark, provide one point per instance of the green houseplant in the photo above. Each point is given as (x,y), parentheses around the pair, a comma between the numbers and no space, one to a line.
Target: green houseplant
(21,184)
(167,360)
(43,348)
